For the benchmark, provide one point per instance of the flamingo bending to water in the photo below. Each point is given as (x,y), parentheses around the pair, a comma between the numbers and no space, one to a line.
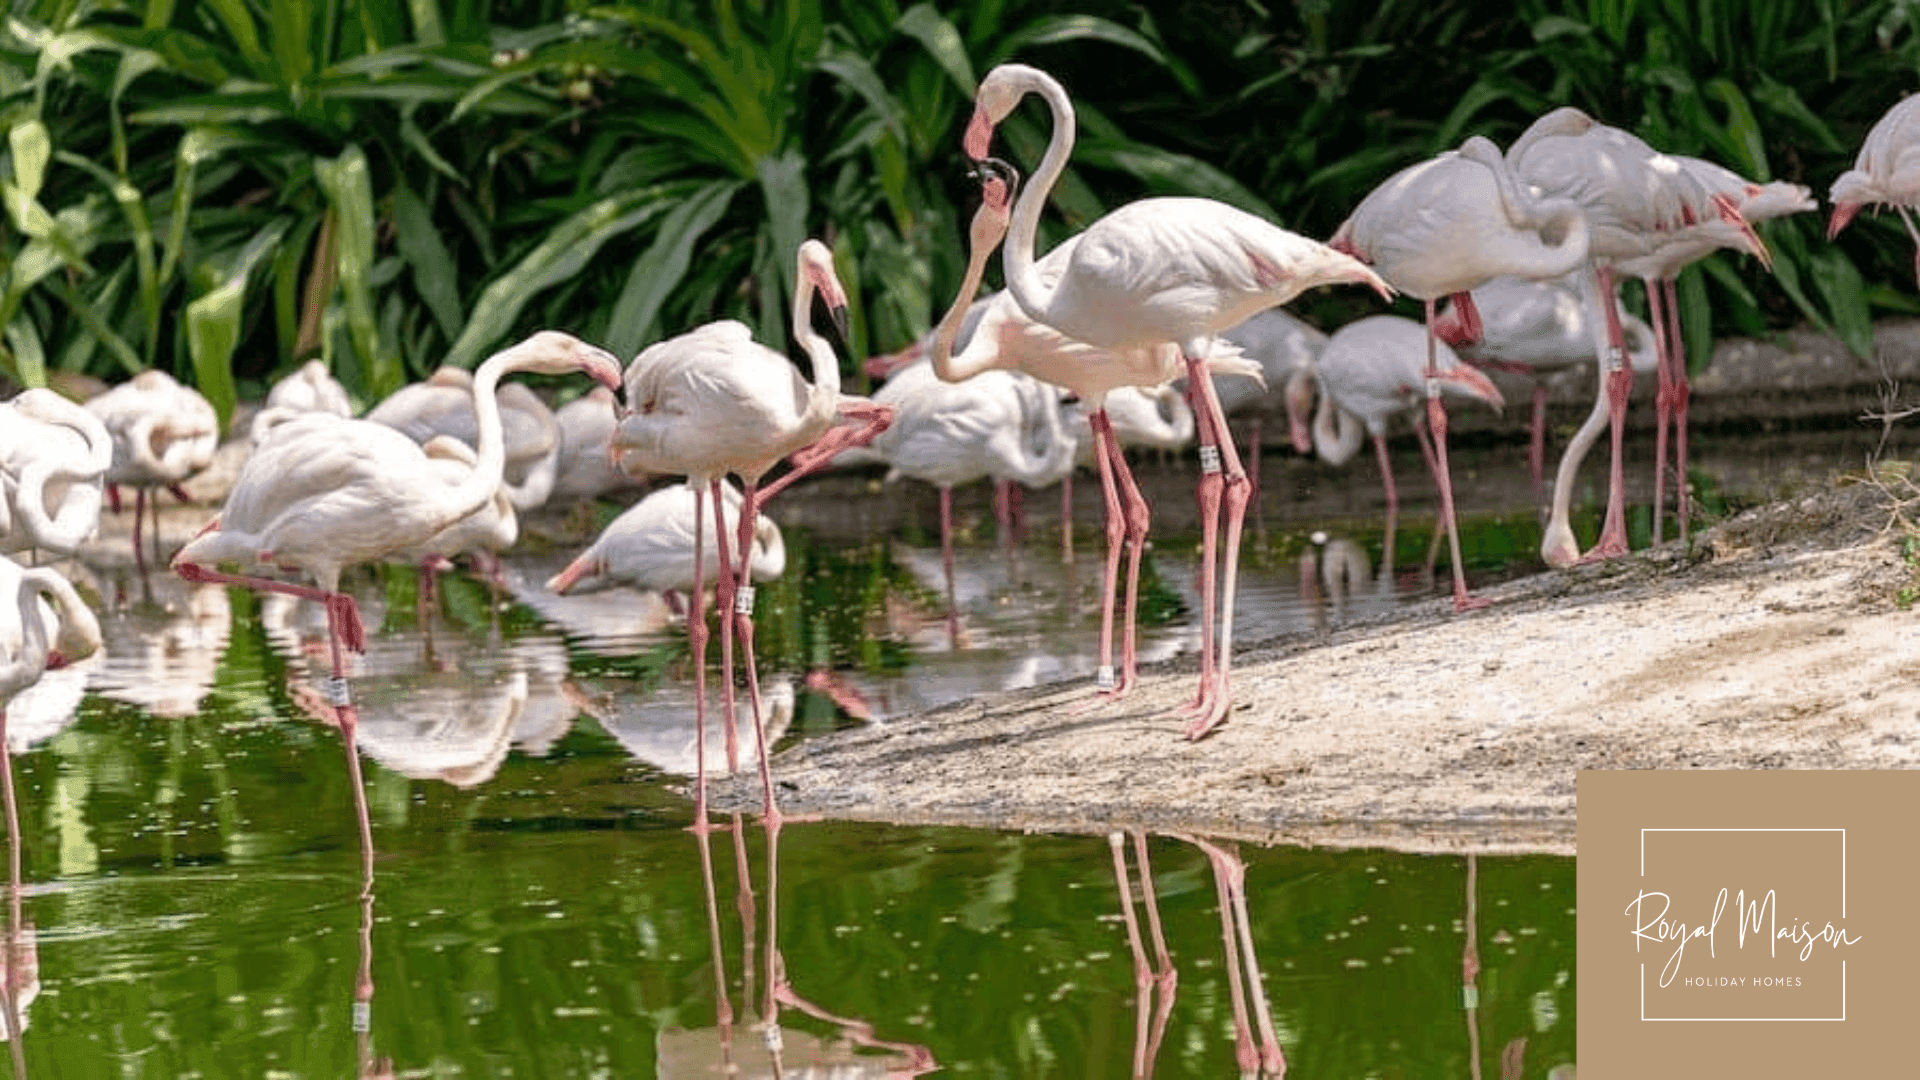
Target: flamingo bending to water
(163,433)
(1152,273)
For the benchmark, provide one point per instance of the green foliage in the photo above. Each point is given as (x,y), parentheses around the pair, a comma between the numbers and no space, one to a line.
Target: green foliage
(225,188)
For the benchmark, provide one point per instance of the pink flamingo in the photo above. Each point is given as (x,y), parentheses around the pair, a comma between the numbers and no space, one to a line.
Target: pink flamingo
(1449,225)
(1151,273)
(163,432)
(1372,369)
(713,401)
(325,492)
(54,456)
(1636,201)
(651,545)
(1887,172)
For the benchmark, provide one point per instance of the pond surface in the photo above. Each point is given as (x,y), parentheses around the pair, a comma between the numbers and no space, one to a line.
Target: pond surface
(193,900)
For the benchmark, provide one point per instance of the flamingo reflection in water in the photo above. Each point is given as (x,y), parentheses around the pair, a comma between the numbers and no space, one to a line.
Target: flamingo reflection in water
(1249,997)
(774,1051)
(43,626)
(1513,1055)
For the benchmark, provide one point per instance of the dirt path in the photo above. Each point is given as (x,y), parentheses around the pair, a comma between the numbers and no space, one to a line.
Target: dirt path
(1777,644)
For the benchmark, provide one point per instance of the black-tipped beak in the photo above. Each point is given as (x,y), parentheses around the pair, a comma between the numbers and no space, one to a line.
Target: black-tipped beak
(841,324)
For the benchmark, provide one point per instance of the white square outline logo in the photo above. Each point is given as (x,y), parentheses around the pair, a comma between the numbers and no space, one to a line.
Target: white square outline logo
(1751,1019)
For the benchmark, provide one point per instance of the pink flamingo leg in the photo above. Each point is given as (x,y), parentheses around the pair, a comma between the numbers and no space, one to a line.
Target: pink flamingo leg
(697,640)
(1682,391)
(1138,519)
(1470,971)
(1117,530)
(726,585)
(1437,420)
(1253,467)
(1066,518)
(946,561)
(1209,495)
(722,1005)
(1386,477)
(1613,530)
(742,616)
(1236,932)
(871,419)
(11,984)
(139,516)
(1211,422)
(1662,402)
(1537,442)
(1147,1033)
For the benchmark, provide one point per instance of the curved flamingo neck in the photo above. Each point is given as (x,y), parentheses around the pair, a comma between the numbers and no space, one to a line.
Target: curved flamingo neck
(826,365)
(987,230)
(1550,218)
(477,487)
(1337,434)
(1023,279)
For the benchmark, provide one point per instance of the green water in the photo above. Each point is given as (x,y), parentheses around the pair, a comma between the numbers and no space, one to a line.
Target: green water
(194,887)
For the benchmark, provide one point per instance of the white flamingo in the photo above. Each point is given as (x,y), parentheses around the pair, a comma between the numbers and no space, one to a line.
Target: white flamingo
(713,401)
(651,545)
(1886,173)
(54,456)
(163,433)
(444,405)
(327,492)
(1152,273)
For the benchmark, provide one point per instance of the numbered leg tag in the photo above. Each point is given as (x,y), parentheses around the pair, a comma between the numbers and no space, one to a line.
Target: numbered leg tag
(743,601)
(1209,459)
(1103,678)
(334,687)
(1469,996)
(363,1016)
(1616,360)
(774,1042)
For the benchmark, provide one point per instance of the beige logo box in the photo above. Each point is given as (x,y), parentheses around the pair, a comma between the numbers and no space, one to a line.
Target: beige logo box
(1747,923)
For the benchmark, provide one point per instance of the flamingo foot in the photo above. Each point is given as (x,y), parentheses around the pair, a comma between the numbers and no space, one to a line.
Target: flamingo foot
(1219,702)
(1607,548)
(1464,602)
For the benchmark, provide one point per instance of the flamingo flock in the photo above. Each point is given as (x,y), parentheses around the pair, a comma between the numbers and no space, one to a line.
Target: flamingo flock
(1113,338)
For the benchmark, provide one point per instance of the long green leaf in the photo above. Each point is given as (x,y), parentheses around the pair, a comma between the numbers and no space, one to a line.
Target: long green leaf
(566,248)
(662,267)
(434,276)
(1838,282)
(349,190)
(783,183)
(213,331)
(925,24)
(1056,29)
(29,355)
(1172,173)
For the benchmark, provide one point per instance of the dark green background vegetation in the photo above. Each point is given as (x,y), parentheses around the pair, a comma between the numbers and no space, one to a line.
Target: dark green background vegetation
(225,187)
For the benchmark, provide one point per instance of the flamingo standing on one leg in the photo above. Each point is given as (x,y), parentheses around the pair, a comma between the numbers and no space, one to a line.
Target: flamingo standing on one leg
(1635,200)
(326,492)
(1152,273)
(54,456)
(1887,172)
(1449,225)
(163,433)
(713,401)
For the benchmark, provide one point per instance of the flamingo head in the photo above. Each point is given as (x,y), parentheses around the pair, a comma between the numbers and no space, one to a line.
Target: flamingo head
(1299,398)
(584,574)
(1466,379)
(555,352)
(998,182)
(999,92)
(816,267)
(1459,323)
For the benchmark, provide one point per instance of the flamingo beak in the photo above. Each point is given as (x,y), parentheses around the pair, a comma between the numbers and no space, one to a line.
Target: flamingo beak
(841,324)
(1842,213)
(1730,213)
(1299,398)
(979,137)
(1471,382)
(601,365)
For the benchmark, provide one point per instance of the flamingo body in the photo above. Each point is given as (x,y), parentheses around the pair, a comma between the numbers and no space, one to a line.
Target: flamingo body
(1886,172)
(651,546)
(54,457)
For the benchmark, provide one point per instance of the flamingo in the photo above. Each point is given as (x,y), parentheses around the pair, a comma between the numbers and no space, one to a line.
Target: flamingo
(327,492)
(162,432)
(1001,424)
(1282,344)
(310,388)
(713,401)
(1444,227)
(1887,172)
(54,456)
(481,535)
(445,405)
(1372,369)
(1537,328)
(34,639)
(584,471)
(1152,273)
(651,545)
(1636,201)
(1658,271)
